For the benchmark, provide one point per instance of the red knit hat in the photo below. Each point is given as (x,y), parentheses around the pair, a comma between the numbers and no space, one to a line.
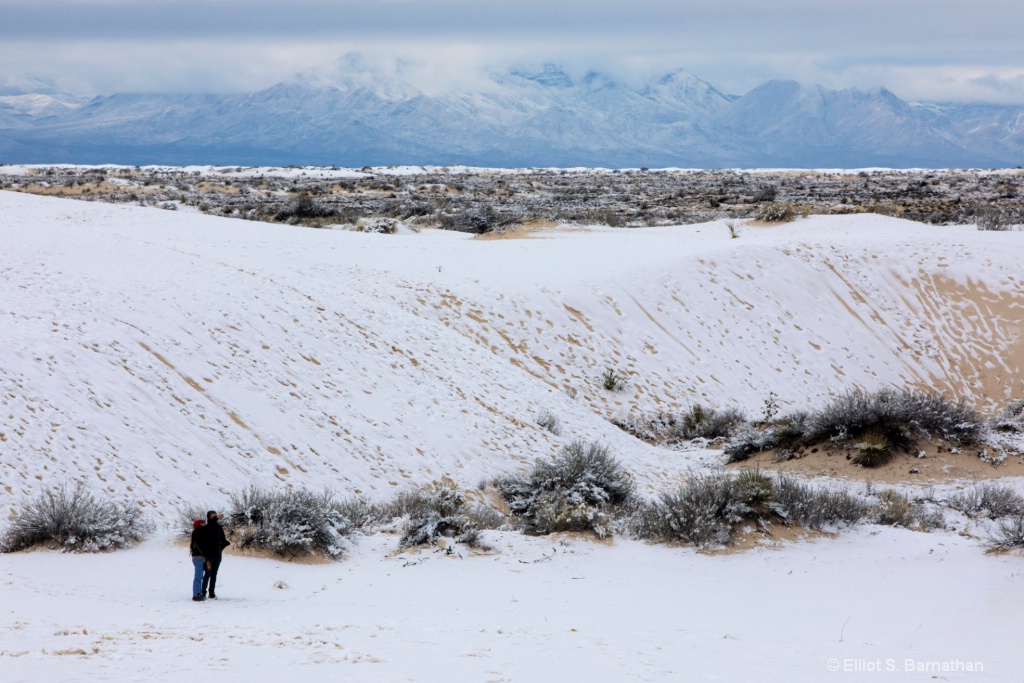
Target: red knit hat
(196,524)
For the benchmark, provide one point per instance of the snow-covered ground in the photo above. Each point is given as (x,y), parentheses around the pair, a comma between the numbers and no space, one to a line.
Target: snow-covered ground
(175,358)
(542,609)
(179,356)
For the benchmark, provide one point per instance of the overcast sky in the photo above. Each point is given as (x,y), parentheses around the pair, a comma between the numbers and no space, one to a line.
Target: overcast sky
(919,49)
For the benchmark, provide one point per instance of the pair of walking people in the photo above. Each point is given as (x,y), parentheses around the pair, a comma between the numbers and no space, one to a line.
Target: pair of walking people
(207,548)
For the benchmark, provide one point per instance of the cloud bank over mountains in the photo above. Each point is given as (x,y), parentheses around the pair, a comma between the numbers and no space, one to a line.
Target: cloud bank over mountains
(364,112)
(946,50)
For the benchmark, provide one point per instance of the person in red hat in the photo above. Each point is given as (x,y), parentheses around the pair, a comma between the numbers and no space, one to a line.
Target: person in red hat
(198,558)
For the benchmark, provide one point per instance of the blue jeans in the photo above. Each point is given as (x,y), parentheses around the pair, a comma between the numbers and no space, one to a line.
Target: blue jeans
(210,578)
(197,580)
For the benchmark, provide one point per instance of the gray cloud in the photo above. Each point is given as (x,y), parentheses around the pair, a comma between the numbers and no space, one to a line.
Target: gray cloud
(944,49)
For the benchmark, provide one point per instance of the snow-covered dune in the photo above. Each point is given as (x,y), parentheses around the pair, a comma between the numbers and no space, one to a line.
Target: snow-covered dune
(176,356)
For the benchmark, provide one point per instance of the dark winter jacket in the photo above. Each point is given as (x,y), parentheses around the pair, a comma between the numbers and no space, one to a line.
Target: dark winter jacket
(214,541)
(198,541)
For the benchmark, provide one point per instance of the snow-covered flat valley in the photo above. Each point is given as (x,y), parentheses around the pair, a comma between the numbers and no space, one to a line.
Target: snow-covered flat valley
(539,609)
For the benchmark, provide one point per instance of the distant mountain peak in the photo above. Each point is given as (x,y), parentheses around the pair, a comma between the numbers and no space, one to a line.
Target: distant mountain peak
(548,75)
(355,72)
(369,111)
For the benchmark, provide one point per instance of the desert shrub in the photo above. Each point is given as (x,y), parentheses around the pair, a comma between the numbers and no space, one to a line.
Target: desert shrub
(652,429)
(359,513)
(816,508)
(697,423)
(993,218)
(442,496)
(290,522)
(706,510)
(877,447)
(712,423)
(613,381)
(478,221)
(1008,534)
(600,216)
(786,432)
(790,430)
(766,193)
(876,425)
(895,509)
(754,496)
(700,512)
(929,517)
(547,420)
(471,221)
(577,490)
(1011,417)
(991,500)
(888,421)
(748,440)
(380,225)
(772,212)
(76,520)
(438,510)
(303,207)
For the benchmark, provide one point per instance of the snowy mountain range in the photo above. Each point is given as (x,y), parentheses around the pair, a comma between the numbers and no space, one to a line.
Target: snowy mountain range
(521,117)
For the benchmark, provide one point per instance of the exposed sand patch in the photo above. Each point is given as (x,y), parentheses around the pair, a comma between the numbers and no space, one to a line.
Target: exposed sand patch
(526,230)
(261,553)
(939,465)
(82,189)
(750,535)
(980,333)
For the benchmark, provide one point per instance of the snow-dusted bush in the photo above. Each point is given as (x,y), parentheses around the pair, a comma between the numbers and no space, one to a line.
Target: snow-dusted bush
(876,425)
(1008,534)
(755,496)
(577,490)
(993,218)
(790,430)
(702,512)
(772,212)
(766,193)
(290,522)
(1011,417)
(748,440)
(549,421)
(380,225)
(360,513)
(815,507)
(697,423)
(478,221)
(895,509)
(438,510)
(75,520)
(706,510)
(302,208)
(991,500)
(613,381)
(889,421)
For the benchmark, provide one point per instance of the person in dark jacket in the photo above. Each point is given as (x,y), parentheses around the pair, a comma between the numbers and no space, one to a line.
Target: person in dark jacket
(198,558)
(214,542)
